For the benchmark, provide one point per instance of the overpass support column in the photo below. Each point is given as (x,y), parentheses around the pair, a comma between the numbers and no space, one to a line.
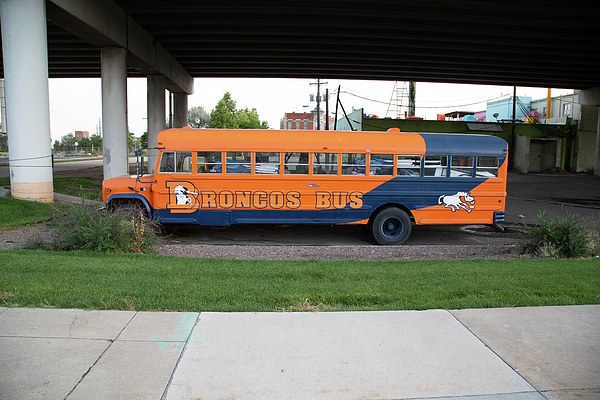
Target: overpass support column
(156,116)
(114,111)
(27,104)
(180,117)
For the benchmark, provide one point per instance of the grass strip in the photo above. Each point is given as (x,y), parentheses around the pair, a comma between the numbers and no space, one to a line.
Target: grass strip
(15,212)
(142,282)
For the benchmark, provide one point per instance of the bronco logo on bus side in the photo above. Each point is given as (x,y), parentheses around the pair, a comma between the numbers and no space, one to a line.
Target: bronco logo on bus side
(458,201)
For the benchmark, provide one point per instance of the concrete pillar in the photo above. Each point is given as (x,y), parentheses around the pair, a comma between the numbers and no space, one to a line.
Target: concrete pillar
(597,159)
(156,116)
(114,111)
(27,104)
(180,113)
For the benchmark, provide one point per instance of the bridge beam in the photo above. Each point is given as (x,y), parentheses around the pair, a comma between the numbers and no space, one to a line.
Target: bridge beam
(103,23)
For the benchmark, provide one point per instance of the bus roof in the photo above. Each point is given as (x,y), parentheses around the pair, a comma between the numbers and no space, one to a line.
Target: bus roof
(190,139)
(290,140)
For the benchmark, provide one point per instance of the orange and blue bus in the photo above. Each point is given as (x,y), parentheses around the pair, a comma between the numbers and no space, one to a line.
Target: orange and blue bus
(385,180)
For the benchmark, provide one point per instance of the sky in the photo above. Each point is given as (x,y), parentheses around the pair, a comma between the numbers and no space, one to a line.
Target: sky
(75,104)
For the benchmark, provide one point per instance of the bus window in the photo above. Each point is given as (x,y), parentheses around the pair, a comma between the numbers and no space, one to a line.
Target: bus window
(325,163)
(176,162)
(266,163)
(409,165)
(167,162)
(238,162)
(183,162)
(382,164)
(296,163)
(354,164)
(435,165)
(487,167)
(209,162)
(461,167)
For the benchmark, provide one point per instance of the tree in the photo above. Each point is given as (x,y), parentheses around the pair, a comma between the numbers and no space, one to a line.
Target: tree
(96,141)
(225,115)
(248,119)
(198,117)
(144,139)
(3,143)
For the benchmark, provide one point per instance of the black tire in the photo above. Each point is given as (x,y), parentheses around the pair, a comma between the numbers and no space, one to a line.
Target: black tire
(391,226)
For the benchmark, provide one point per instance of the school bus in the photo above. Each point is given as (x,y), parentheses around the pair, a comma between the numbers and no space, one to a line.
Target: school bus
(385,180)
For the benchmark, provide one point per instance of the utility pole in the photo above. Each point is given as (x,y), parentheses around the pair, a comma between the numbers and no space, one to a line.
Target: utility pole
(326,109)
(318,83)
(412,94)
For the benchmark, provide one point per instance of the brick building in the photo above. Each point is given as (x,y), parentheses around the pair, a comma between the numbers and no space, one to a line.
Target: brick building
(82,134)
(294,121)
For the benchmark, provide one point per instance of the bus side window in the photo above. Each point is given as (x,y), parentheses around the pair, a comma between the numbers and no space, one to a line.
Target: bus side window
(487,167)
(167,162)
(266,163)
(354,164)
(383,164)
(435,165)
(296,163)
(325,163)
(238,162)
(184,162)
(461,167)
(209,162)
(409,165)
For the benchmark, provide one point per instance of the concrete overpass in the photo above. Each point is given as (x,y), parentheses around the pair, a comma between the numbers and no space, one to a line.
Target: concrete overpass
(554,44)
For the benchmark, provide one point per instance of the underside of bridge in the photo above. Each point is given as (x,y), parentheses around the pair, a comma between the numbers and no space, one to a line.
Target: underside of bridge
(540,43)
(553,44)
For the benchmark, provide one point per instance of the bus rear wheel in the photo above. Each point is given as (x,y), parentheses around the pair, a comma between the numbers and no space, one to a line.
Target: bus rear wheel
(391,226)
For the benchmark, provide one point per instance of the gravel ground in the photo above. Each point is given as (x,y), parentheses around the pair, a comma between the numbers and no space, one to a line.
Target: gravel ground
(19,237)
(364,253)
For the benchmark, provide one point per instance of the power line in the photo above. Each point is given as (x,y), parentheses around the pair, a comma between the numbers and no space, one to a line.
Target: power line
(429,107)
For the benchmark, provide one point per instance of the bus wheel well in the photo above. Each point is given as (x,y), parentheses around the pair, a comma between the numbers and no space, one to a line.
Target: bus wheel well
(383,207)
(126,204)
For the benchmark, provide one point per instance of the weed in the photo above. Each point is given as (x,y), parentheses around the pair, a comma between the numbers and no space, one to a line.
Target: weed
(304,306)
(557,237)
(86,228)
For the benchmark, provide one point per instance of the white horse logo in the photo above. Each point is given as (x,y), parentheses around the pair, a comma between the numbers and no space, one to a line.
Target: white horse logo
(181,197)
(460,200)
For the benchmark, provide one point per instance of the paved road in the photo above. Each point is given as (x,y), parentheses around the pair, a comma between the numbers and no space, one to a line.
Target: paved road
(59,166)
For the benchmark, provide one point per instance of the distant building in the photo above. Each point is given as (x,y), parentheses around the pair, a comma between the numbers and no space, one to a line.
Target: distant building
(502,110)
(298,121)
(304,121)
(82,135)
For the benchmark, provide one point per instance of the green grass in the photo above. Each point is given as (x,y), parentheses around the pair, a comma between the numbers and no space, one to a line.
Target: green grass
(142,282)
(15,212)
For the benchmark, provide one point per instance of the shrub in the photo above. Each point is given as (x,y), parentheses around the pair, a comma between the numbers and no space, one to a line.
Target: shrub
(86,228)
(557,237)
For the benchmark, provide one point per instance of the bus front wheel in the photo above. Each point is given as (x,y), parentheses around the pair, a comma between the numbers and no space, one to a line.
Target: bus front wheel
(391,226)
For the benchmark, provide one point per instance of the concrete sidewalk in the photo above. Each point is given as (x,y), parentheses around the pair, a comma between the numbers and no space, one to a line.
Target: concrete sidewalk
(527,353)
